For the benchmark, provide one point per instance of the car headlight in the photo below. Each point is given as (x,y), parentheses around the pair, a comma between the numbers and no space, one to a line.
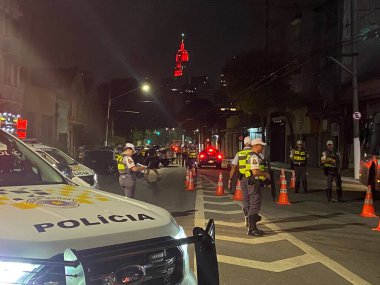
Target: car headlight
(15,272)
(181,234)
(96,178)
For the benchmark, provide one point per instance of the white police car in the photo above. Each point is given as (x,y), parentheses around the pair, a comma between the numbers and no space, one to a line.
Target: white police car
(78,169)
(54,232)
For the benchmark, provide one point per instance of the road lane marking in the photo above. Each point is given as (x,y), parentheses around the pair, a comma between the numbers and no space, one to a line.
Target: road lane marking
(274,266)
(309,250)
(220,203)
(326,261)
(232,212)
(264,239)
(213,196)
(230,224)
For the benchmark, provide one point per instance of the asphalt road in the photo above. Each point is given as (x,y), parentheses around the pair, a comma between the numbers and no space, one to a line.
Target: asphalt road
(308,242)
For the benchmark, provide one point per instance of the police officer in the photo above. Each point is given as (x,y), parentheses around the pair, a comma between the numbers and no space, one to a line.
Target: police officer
(331,165)
(184,154)
(255,183)
(192,157)
(299,157)
(241,161)
(128,173)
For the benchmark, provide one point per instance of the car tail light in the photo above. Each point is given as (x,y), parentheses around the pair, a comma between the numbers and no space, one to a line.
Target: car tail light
(220,156)
(210,150)
(202,155)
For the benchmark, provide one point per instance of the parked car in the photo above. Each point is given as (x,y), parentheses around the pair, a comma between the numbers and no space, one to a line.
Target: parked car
(165,155)
(79,170)
(55,232)
(210,156)
(102,161)
(63,167)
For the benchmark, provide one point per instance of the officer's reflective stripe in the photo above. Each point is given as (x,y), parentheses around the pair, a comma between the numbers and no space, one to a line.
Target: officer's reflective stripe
(299,156)
(192,154)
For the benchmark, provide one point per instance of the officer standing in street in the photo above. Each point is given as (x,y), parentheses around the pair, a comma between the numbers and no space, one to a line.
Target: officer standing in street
(255,183)
(241,161)
(128,171)
(184,154)
(299,158)
(331,165)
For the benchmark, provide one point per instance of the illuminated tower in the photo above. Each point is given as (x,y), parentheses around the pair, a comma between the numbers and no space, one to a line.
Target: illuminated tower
(181,59)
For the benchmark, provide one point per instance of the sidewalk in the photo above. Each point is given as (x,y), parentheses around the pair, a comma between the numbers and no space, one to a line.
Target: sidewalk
(347,175)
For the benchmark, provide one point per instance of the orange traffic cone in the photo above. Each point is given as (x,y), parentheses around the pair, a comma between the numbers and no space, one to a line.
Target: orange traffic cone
(238,194)
(368,210)
(292,184)
(190,186)
(219,188)
(283,198)
(187,179)
(378,227)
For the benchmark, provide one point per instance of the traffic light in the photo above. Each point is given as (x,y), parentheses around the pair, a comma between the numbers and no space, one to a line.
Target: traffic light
(148,141)
(158,133)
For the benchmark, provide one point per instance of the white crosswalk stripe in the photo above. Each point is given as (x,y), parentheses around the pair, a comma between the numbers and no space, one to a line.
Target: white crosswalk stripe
(311,255)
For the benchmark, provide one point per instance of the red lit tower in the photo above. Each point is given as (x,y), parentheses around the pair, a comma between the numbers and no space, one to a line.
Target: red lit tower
(181,59)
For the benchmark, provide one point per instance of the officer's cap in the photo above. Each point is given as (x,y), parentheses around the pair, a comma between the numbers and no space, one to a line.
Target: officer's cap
(129,145)
(257,141)
(329,143)
(299,142)
(247,140)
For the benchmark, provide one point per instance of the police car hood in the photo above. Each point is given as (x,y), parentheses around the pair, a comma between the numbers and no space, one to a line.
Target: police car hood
(42,221)
(81,170)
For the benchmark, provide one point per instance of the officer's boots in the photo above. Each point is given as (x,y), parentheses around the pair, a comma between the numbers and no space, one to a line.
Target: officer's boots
(304,185)
(253,230)
(340,195)
(329,194)
(297,187)
(245,211)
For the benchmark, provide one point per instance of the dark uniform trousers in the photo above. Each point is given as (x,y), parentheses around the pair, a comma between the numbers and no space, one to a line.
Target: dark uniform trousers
(254,192)
(333,174)
(127,183)
(300,172)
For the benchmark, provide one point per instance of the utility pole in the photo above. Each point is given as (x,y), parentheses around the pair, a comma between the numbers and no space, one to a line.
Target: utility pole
(355,100)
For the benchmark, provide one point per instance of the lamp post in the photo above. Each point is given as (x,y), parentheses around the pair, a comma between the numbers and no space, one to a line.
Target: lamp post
(169,129)
(144,88)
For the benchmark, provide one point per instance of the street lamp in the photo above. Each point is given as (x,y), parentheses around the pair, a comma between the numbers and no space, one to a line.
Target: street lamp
(145,88)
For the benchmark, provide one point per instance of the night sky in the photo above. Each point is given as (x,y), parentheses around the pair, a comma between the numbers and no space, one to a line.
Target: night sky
(139,38)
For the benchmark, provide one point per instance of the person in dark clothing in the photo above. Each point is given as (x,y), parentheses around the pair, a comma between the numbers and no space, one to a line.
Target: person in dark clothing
(299,157)
(152,163)
(331,165)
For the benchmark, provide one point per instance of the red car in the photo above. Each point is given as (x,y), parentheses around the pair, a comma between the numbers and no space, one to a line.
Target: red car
(210,156)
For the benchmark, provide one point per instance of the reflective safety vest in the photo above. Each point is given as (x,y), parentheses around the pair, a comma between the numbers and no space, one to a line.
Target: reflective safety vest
(120,164)
(192,153)
(299,157)
(244,167)
(261,167)
(331,159)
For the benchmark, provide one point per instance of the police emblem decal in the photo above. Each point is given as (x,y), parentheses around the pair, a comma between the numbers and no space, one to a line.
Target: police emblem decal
(54,202)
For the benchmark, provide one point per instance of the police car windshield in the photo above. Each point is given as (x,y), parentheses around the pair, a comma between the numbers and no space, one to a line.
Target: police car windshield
(60,156)
(19,166)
